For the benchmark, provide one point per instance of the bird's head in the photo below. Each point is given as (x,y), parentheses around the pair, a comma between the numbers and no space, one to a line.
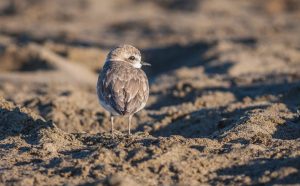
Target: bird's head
(128,54)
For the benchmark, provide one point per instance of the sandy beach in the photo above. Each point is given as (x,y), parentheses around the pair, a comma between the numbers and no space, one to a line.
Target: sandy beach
(224,104)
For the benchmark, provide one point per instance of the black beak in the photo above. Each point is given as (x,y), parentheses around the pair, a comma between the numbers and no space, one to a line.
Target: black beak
(145,64)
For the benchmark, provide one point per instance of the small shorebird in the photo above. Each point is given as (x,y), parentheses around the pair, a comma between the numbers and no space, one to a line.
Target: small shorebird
(122,85)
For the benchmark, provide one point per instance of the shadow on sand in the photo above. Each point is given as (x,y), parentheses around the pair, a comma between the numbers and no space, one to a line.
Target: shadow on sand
(260,167)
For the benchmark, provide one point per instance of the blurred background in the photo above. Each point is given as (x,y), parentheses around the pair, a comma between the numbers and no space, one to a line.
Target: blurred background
(197,48)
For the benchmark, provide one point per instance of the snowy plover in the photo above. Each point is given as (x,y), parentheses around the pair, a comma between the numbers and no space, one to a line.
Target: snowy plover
(122,85)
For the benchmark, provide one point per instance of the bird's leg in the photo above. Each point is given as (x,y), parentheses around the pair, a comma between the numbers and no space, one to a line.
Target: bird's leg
(112,125)
(129,124)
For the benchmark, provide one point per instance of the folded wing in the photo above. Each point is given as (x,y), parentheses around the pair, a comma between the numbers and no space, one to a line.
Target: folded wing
(126,90)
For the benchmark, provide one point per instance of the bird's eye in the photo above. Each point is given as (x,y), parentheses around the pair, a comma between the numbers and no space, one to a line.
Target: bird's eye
(132,58)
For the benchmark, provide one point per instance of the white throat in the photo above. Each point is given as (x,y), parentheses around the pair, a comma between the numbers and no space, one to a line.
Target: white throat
(137,65)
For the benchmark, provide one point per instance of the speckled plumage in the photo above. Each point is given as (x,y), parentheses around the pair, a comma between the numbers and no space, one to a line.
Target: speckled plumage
(122,86)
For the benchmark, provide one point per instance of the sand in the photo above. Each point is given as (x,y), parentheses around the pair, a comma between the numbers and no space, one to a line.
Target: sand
(224,105)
